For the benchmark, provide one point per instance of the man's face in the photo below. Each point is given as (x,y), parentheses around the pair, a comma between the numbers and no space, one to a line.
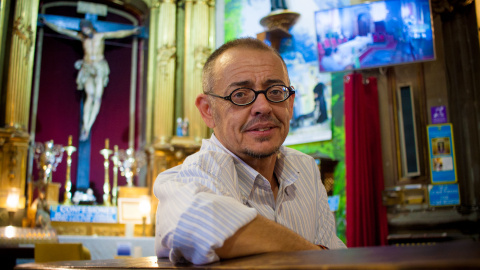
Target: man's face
(87,30)
(259,129)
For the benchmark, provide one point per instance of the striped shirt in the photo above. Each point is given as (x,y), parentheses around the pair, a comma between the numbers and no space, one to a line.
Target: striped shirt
(214,193)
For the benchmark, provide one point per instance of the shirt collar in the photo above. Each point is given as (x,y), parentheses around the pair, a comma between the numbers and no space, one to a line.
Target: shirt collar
(285,170)
(246,174)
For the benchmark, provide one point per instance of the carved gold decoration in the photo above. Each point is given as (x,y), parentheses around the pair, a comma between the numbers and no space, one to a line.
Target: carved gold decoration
(165,54)
(201,55)
(25,34)
(13,156)
(164,159)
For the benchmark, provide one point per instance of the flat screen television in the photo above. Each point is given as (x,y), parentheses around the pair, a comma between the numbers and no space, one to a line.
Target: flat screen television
(375,34)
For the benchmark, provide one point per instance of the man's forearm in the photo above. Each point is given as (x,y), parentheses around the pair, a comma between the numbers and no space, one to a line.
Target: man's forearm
(262,235)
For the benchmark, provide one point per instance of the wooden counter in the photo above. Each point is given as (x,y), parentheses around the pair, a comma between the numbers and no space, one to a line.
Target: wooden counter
(457,255)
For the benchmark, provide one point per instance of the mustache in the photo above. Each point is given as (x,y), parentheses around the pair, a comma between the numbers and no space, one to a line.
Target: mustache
(261,119)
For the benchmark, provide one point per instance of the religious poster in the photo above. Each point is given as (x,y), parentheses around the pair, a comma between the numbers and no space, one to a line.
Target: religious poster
(312,113)
(442,157)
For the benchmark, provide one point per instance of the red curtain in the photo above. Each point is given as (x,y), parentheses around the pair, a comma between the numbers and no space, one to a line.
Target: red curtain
(366,215)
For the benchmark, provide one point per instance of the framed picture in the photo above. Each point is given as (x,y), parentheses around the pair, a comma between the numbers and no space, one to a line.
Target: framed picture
(132,210)
(442,154)
(312,114)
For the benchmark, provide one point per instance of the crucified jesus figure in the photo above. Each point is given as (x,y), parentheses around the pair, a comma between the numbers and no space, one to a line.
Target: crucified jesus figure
(93,68)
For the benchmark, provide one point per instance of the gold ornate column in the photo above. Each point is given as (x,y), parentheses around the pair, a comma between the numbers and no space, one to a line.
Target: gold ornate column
(160,84)
(199,24)
(20,68)
(161,72)
(199,44)
(14,137)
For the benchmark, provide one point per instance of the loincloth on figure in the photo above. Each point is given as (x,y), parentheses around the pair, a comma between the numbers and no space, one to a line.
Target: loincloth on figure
(93,70)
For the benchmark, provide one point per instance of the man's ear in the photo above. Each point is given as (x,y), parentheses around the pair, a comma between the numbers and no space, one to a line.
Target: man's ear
(205,110)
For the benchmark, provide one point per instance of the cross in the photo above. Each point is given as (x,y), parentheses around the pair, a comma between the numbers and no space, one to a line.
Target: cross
(91,11)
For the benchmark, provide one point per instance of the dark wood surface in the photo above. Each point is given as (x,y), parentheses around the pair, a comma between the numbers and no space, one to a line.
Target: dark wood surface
(458,255)
(9,255)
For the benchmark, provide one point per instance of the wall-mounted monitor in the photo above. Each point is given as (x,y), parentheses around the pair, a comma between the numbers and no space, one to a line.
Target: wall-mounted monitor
(374,34)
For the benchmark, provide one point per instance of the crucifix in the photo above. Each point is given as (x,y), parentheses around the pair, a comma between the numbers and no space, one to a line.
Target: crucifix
(93,69)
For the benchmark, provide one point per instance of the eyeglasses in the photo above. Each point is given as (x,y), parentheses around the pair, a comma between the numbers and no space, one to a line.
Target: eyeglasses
(244,96)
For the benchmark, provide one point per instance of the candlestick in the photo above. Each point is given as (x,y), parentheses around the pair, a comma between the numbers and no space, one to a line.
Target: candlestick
(115,161)
(47,155)
(106,185)
(131,163)
(68,182)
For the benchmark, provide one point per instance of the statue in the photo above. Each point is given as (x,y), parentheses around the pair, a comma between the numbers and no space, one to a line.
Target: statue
(42,213)
(93,68)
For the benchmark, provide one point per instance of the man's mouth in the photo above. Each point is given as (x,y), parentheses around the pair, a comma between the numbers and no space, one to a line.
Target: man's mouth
(261,124)
(262,129)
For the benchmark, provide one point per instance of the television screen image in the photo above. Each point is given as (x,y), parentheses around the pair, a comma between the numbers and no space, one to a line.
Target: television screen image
(374,34)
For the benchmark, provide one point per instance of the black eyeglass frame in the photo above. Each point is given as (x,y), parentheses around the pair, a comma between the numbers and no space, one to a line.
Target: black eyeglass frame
(291,91)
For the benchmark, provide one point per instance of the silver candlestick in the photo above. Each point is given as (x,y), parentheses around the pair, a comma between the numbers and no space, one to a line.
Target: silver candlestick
(48,156)
(130,163)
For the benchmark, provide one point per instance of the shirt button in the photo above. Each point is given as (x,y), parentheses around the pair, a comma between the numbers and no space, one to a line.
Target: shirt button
(244,199)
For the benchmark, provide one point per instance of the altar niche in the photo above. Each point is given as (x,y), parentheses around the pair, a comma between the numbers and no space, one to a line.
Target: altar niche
(57,104)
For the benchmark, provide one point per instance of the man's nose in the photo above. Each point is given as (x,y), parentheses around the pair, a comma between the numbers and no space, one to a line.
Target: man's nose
(261,105)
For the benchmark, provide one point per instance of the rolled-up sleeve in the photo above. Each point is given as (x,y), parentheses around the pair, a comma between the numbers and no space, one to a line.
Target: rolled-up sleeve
(195,214)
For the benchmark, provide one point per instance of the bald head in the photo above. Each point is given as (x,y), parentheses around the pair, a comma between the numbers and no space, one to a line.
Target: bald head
(208,76)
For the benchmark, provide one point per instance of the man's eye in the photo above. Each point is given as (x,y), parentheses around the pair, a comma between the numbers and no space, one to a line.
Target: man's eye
(276,93)
(239,94)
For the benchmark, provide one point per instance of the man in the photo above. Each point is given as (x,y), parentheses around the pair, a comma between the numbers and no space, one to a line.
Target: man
(243,193)
(93,68)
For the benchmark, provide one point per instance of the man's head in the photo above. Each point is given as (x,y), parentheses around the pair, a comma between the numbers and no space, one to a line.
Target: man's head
(208,76)
(86,27)
(256,130)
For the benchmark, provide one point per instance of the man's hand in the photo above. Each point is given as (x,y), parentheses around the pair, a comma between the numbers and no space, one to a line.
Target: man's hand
(262,235)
